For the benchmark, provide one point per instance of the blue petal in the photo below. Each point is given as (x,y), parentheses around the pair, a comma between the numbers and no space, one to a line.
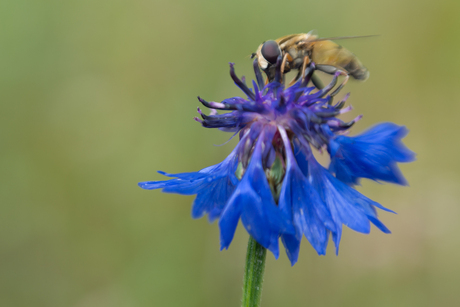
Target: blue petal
(310,215)
(212,198)
(292,245)
(373,154)
(252,200)
(213,186)
(345,205)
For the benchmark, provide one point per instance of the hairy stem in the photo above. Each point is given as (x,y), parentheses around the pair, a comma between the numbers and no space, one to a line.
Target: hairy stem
(254,274)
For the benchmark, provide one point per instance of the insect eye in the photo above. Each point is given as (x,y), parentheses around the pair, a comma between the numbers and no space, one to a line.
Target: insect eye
(271,51)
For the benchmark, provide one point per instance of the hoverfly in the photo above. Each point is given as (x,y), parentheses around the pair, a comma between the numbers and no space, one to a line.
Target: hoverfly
(298,50)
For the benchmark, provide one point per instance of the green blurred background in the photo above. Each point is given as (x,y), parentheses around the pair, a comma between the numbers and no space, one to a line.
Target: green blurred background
(98,95)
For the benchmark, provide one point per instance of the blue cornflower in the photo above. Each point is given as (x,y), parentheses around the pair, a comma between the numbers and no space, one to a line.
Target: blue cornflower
(272,181)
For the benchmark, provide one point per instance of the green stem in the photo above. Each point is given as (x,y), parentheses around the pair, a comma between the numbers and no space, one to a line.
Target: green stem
(254,274)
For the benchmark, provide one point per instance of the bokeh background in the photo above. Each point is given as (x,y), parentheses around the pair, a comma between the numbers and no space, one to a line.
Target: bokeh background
(98,95)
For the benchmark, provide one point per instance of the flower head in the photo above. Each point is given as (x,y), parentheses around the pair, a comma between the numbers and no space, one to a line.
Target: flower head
(272,181)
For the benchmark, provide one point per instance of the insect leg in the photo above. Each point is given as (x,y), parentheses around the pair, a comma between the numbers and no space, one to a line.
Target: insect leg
(301,73)
(317,82)
(283,64)
(329,69)
(337,90)
(295,78)
(307,74)
(306,60)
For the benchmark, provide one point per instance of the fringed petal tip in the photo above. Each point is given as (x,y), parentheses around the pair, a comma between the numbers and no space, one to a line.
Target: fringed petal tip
(320,204)
(374,155)
(151,185)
